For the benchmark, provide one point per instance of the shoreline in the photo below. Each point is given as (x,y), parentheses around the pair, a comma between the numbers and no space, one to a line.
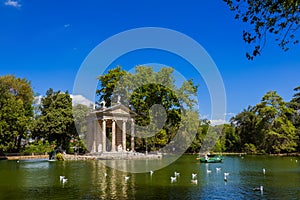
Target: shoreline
(29,157)
(249,154)
(92,157)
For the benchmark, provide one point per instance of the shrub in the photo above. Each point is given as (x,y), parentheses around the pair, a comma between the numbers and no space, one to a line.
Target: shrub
(250,148)
(39,147)
(59,156)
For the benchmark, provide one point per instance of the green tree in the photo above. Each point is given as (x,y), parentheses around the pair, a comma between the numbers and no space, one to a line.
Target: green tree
(278,130)
(16,112)
(295,104)
(107,84)
(80,113)
(196,144)
(143,90)
(232,139)
(246,127)
(268,17)
(56,124)
(267,127)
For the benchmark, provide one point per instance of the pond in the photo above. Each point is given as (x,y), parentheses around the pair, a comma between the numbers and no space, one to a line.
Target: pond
(40,179)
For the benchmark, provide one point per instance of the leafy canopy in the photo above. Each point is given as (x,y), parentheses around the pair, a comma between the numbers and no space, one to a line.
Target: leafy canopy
(266,127)
(16,112)
(280,18)
(142,91)
(55,124)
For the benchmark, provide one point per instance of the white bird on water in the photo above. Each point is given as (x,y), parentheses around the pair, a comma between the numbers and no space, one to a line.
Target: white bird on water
(264,171)
(64,180)
(151,172)
(194,182)
(226,174)
(208,171)
(194,176)
(261,188)
(61,178)
(173,179)
(176,174)
(218,169)
(225,178)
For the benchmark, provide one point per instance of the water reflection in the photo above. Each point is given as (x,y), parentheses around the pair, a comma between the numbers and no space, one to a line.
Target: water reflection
(87,180)
(34,164)
(110,183)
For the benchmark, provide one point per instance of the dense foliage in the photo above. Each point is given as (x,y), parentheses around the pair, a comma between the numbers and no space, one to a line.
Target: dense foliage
(266,127)
(145,89)
(55,123)
(16,113)
(270,126)
(268,17)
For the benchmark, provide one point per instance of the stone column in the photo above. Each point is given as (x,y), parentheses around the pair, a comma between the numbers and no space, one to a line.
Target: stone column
(94,136)
(124,135)
(113,137)
(132,135)
(104,135)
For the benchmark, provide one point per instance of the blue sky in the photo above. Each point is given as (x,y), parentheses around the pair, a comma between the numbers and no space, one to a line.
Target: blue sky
(47,41)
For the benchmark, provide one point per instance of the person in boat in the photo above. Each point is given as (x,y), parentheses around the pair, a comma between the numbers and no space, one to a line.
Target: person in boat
(206,157)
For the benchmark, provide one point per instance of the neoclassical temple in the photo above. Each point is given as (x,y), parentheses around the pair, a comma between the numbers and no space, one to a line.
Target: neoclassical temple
(107,129)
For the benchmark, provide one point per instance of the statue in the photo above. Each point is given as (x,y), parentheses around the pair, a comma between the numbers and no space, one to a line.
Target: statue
(119,99)
(120,148)
(103,103)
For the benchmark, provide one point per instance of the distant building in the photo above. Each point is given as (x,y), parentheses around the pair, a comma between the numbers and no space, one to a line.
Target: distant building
(107,129)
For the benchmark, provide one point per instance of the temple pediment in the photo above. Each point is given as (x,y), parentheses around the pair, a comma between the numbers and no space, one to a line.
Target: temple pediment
(116,110)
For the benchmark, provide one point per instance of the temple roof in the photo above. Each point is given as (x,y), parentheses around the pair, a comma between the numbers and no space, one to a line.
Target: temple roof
(117,110)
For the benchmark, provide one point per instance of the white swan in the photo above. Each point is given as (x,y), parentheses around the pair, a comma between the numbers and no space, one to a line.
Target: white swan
(194,182)
(151,172)
(64,180)
(261,188)
(208,171)
(61,178)
(176,174)
(225,178)
(218,169)
(173,179)
(194,176)
(264,171)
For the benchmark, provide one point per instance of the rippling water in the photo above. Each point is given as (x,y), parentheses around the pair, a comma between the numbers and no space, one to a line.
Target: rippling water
(86,180)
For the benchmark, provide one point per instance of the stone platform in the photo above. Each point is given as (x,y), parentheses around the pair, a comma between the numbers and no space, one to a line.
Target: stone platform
(126,156)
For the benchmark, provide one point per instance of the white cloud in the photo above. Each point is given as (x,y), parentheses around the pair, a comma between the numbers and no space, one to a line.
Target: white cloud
(214,122)
(76,99)
(67,25)
(79,99)
(219,119)
(37,100)
(12,3)
(229,114)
